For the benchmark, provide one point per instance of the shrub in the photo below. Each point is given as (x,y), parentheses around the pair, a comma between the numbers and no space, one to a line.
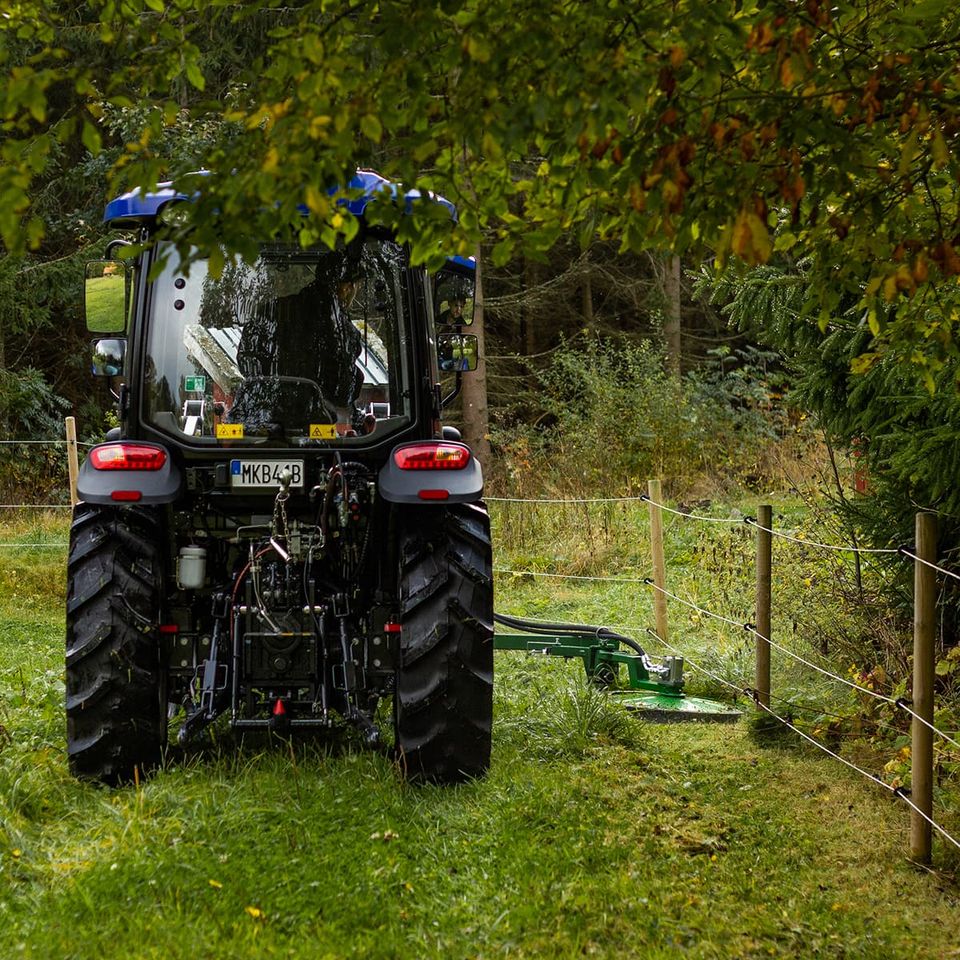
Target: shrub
(608,417)
(31,410)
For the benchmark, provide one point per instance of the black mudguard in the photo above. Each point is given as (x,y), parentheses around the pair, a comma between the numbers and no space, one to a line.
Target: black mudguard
(409,486)
(155,486)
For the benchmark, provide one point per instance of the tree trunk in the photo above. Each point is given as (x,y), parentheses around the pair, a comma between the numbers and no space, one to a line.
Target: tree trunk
(4,425)
(528,320)
(476,422)
(671,312)
(587,290)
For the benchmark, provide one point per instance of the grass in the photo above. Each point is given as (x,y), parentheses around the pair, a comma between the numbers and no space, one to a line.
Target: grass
(594,835)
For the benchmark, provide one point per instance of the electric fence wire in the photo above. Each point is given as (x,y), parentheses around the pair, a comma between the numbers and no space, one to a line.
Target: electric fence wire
(57,544)
(35,506)
(638,499)
(690,516)
(897,702)
(563,500)
(842,548)
(750,521)
(927,563)
(896,791)
(813,711)
(568,576)
(79,443)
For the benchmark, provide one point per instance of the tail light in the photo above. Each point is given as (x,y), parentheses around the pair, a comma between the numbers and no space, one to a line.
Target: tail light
(127,456)
(432,456)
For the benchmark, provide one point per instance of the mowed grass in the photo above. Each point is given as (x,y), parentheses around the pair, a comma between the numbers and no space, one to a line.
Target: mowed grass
(595,834)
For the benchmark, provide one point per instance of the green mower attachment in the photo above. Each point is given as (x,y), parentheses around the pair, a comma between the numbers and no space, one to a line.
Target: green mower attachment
(654,689)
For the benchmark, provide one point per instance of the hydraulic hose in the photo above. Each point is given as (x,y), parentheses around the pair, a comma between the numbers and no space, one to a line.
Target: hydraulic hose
(568,630)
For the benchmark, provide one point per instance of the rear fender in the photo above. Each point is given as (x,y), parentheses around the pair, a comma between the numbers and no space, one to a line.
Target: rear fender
(118,487)
(430,486)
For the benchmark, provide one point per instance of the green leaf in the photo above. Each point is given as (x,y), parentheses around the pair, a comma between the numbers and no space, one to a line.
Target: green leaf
(90,138)
(944,668)
(478,49)
(216,261)
(194,74)
(371,127)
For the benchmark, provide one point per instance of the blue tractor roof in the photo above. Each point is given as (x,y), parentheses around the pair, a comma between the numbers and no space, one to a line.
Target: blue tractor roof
(137,208)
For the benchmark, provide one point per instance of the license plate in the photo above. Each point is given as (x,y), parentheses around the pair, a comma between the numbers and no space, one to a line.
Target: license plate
(264,473)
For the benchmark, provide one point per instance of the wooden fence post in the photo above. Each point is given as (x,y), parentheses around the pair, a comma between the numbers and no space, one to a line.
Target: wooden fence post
(659,565)
(924,632)
(764,566)
(72,461)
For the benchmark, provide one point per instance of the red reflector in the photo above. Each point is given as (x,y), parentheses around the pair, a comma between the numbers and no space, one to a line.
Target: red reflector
(432,456)
(434,494)
(126,496)
(127,456)
(169,628)
(392,628)
(279,710)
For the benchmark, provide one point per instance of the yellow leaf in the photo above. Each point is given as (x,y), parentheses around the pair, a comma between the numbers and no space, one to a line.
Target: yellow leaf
(317,201)
(271,161)
(318,126)
(938,149)
(216,884)
(864,362)
(491,146)
(908,152)
(255,912)
(751,239)
(477,49)
(787,75)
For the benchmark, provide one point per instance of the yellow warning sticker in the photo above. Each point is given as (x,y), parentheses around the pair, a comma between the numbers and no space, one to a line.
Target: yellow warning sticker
(229,431)
(323,431)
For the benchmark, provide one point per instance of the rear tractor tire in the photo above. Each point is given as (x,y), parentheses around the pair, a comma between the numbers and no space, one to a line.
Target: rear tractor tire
(116,724)
(443,702)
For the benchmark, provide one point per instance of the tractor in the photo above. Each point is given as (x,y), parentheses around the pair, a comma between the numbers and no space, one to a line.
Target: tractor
(281,532)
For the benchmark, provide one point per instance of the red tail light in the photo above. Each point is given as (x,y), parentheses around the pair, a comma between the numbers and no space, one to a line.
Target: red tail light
(434,494)
(127,456)
(432,456)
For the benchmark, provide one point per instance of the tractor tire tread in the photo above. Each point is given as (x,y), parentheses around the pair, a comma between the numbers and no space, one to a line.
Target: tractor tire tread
(115,721)
(444,694)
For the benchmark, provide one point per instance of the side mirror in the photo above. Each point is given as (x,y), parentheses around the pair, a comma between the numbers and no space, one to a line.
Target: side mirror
(108,357)
(453,302)
(107,296)
(457,352)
